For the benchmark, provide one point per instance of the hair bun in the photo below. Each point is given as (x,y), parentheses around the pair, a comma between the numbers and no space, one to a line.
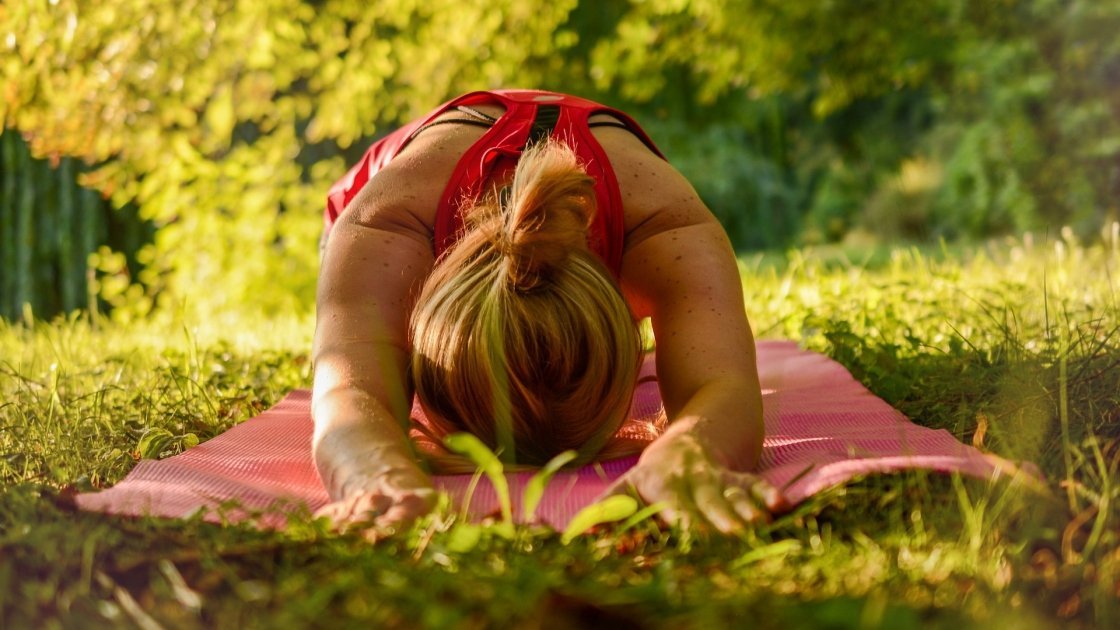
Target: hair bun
(546,217)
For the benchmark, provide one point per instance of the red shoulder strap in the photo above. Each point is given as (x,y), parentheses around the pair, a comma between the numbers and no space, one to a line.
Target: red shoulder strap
(496,152)
(493,154)
(501,147)
(380,153)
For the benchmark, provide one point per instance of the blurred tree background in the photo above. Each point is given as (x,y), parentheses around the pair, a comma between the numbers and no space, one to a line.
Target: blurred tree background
(210,130)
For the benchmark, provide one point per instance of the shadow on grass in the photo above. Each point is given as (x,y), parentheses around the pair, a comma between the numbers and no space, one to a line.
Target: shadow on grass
(1019,403)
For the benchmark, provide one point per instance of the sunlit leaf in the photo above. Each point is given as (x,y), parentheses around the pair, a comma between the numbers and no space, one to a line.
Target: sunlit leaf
(611,509)
(777,549)
(464,537)
(647,512)
(219,115)
(154,441)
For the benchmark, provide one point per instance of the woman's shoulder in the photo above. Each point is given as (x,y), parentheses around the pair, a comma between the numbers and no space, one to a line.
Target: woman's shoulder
(655,196)
(407,191)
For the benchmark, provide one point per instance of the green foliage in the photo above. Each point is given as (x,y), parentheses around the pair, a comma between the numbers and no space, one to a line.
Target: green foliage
(1044,135)
(753,196)
(838,51)
(609,510)
(799,122)
(157,442)
(209,114)
(954,343)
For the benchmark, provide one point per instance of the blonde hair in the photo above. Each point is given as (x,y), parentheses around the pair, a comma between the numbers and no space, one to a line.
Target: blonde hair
(520,335)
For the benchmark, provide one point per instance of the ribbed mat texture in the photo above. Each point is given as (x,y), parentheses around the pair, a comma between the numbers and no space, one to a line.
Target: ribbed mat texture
(822,429)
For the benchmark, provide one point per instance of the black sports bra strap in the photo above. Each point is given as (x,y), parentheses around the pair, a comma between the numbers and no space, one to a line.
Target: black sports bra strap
(448,121)
(609,123)
(470,111)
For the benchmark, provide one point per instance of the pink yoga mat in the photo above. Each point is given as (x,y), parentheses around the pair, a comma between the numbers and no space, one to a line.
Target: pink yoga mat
(822,429)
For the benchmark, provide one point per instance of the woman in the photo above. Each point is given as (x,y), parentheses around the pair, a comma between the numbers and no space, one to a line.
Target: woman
(498,263)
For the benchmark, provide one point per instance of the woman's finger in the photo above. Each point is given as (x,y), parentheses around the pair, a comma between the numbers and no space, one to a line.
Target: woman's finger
(370,506)
(713,505)
(673,516)
(679,508)
(363,508)
(744,505)
(406,509)
(329,511)
(766,494)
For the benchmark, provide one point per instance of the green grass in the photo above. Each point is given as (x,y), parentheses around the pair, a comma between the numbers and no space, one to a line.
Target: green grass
(1011,346)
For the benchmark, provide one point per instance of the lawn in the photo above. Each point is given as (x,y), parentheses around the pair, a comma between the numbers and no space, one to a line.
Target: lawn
(1013,346)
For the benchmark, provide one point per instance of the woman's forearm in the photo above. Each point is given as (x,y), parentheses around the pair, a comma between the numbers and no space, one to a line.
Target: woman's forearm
(725,417)
(356,440)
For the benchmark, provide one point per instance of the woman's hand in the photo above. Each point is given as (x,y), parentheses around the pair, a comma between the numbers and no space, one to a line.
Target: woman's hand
(697,491)
(383,499)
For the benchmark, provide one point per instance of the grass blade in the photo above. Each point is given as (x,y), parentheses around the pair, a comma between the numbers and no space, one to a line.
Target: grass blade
(470,446)
(534,490)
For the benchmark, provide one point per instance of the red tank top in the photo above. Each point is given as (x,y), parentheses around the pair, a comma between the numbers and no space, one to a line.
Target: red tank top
(529,115)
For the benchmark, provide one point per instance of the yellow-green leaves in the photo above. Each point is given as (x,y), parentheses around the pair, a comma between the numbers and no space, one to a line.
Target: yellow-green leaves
(295,89)
(156,442)
(205,112)
(609,510)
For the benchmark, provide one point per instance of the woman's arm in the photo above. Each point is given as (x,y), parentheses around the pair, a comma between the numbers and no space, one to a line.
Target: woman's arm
(373,264)
(686,279)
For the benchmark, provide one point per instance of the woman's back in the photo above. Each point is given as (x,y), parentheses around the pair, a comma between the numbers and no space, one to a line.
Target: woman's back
(410,192)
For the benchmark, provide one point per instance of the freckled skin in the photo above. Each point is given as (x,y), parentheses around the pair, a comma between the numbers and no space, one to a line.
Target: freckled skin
(675,255)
